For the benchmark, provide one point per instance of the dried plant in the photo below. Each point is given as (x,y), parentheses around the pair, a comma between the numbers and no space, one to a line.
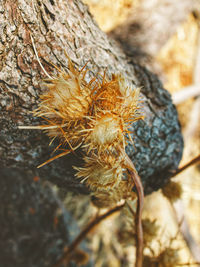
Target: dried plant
(96,115)
(93,114)
(172,190)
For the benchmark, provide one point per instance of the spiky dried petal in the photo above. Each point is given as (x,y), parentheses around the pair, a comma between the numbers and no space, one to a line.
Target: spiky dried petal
(101,172)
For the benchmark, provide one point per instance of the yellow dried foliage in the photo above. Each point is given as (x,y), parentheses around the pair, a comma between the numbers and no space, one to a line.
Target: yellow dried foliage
(110,14)
(177,57)
(94,114)
(172,190)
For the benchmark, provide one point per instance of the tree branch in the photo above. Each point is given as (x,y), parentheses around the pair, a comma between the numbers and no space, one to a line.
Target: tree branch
(84,232)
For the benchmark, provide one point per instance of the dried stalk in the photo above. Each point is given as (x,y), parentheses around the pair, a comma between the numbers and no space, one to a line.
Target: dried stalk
(193,246)
(187,165)
(186,93)
(66,257)
(140,203)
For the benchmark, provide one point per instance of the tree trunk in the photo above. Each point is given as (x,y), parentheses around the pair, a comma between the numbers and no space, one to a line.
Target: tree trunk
(58,26)
(33,232)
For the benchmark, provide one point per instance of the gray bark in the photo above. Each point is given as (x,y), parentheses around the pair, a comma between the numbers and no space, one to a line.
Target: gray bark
(59,26)
(33,230)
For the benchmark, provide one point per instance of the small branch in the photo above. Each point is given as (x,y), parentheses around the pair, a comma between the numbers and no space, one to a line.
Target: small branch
(140,203)
(186,93)
(192,162)
(178,209)
(188,264)
(196,77)
(193,121)
(138,219)
(84,232)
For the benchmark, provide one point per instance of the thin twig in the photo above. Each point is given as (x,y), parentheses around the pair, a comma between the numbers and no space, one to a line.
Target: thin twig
(188,264)
(192,162)
(178,209)
(138,219)
(186,93)
(193,121)
(140,203)
(38,59)
(84,232)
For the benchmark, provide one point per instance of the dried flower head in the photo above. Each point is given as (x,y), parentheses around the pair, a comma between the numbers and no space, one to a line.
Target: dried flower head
(106,198)
(65,104)
(106,131)
(169,257)
(101,172)
(150,230)
(115,106)
(95,114)
(172,190)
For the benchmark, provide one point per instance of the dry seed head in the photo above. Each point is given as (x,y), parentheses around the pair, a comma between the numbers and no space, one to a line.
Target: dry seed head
(106,131)
(115,106)
(104,198)
(101,172)
(172,190)
(150,229)
(118,97)
(67,97)
(64,106)
(169,257)
(93,114)
(107,125)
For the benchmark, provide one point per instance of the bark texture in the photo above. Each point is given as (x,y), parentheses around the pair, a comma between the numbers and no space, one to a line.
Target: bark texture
(59,26)
(35,227)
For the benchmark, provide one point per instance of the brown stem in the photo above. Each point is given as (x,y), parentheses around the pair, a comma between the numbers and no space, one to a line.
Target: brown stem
(138,220)
(140,202)
(184,228)
(84,232)
(188,264)
(192,162)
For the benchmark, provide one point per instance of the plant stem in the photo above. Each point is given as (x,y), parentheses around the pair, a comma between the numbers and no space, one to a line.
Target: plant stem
(192,162)
(84,232)
(140,203)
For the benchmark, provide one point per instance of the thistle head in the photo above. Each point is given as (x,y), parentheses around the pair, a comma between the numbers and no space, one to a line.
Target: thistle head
(105,131)
(101,172)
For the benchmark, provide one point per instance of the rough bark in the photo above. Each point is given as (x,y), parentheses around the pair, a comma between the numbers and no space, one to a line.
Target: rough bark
(35,227)
(59,26)
(150,26)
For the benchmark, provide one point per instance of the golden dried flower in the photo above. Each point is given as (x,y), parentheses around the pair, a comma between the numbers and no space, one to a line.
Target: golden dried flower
(106,131)
(80,257)
(101,172)
(64,106)
(150,230)
(169,257)
(93,114)
(172,190)
(106,198)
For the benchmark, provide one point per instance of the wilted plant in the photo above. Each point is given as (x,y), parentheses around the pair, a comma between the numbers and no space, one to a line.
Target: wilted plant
(93,114)
(96,115)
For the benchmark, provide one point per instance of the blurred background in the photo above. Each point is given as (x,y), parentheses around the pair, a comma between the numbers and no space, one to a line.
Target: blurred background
(172,215)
